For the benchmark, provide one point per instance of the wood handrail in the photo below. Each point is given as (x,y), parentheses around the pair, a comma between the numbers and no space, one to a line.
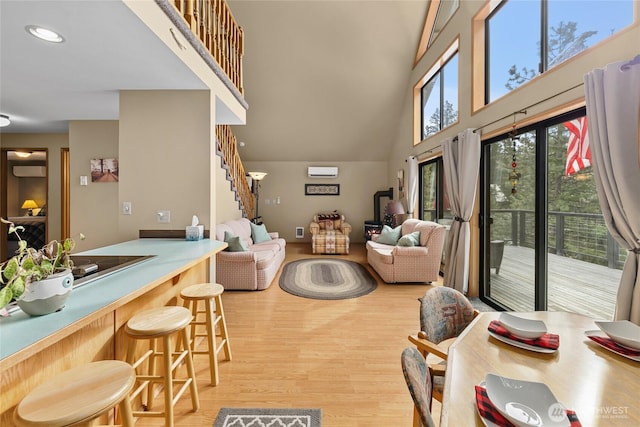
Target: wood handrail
(227,146)
(214,25)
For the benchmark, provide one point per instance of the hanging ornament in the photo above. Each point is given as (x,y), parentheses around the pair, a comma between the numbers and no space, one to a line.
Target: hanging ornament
(514,176)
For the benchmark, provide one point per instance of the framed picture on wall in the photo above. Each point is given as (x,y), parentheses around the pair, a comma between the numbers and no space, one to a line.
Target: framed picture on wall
(322,189)
(104,170)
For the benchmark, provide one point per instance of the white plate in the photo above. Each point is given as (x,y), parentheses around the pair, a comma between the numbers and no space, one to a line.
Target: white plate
(485,421)
(522,345)
(599,333)
(526,403)
(523,328)
(623,332)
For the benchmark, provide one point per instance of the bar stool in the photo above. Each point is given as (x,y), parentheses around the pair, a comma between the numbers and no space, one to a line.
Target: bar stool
(160,324)
(211,295)
(78,395)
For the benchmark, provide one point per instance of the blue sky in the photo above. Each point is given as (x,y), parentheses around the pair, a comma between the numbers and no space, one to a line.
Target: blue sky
(515,30)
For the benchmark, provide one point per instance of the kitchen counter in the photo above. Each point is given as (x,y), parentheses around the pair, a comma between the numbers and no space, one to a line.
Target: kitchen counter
(89,326)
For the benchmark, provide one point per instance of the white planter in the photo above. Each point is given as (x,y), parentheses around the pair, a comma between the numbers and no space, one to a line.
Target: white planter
(48,295)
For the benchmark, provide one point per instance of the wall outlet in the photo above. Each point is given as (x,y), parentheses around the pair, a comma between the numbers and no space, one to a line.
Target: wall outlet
(299,232)
(164,216)
(126,208)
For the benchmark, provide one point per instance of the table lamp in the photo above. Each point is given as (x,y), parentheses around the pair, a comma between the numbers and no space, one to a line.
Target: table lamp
(29,204)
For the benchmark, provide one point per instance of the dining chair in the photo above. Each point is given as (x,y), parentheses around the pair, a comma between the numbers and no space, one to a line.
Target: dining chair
(444,314)
(418,381)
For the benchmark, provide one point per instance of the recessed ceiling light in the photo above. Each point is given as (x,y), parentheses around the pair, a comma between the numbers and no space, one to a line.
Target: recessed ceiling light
(44,34)
(23,154)
(4,120)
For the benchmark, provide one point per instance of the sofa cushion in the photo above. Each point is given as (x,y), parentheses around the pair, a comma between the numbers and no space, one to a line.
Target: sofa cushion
(259,233)
(238,227)
(411,239)
(390,236)
(235,243)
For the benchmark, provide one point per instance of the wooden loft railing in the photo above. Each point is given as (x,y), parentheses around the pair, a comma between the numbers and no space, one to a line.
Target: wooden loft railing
(213,23)
(228,150)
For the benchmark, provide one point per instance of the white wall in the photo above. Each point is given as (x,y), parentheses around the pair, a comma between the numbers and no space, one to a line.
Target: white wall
(166,158)
(359,181)
(94,207)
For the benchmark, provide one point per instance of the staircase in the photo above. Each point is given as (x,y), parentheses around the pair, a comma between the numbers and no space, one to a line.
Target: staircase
(227,150)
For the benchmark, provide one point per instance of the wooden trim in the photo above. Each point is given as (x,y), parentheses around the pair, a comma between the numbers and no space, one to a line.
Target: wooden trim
(478,57)
(429,22)
(555,111)
(4,228)
(65,192)
(166,234)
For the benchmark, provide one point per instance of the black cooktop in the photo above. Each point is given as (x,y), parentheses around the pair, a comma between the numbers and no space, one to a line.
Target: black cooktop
(88,268)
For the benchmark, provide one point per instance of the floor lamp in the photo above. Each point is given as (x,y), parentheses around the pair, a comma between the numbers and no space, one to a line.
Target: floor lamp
(257,177)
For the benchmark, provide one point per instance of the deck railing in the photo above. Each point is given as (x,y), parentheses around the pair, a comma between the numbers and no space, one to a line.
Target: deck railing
(576,235)
(227,145)
(582,236)
(213,23)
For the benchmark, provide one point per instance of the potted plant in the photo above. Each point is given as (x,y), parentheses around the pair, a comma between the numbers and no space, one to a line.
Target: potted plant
(38,279)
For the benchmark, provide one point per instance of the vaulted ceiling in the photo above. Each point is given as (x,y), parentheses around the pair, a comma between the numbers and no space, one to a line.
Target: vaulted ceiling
(324,80)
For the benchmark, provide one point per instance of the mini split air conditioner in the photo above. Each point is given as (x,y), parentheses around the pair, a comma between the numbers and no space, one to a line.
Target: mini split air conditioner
(323,171)
(30,171)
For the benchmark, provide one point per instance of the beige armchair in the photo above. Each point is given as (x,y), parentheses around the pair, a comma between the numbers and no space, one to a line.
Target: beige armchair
(329,234)
(398,263)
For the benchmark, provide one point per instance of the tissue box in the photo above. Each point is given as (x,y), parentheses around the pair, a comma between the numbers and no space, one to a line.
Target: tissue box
(195,232)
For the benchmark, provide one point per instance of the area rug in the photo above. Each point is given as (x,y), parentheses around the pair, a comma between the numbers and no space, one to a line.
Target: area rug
(268,417)
(325,278)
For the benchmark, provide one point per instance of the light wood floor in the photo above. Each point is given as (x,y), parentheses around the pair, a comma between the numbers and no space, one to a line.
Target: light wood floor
(341,356)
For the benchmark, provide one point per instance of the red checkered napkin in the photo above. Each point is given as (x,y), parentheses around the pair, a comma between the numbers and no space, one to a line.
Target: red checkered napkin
(490,413)
(612,345)
(550,341)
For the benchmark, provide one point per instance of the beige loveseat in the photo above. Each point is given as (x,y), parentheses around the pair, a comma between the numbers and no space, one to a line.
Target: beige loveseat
(253,269)
(400,264)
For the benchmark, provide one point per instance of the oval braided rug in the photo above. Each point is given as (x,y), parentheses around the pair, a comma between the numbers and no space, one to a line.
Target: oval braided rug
(325,278)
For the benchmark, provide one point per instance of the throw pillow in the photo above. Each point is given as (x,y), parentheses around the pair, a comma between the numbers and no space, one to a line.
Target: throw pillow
(390,236)
(411,239)
(326,225)
(259,233)
(235,243)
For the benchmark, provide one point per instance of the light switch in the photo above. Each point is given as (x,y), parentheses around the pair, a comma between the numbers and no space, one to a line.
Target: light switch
(83,180)
(164,216)
(126,208)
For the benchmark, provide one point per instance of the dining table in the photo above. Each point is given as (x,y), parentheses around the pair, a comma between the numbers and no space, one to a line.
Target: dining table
(602,387)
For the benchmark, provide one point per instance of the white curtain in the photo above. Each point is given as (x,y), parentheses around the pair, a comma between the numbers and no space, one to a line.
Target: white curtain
(613,109)
(412,185)
(461,161)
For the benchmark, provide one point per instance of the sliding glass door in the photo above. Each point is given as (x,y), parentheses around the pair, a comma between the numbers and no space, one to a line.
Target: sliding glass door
(510,223)
(544,242)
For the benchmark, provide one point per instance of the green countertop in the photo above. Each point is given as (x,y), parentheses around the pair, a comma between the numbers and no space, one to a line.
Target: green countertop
(19,331)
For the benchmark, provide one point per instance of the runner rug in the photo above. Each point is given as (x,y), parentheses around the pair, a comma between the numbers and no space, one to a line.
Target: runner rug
(258,417)
(325,278)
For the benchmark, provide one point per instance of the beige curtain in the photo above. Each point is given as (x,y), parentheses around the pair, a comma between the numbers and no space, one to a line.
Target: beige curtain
(412,185)
(613,101)
(461,161)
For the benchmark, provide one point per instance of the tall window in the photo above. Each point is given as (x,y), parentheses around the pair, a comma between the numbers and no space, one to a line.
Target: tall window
(434,204)
(436,96)
(527,38)
(440,99)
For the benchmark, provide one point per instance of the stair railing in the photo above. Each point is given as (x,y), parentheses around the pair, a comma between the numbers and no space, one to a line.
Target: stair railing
(213,23)
(228,149)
